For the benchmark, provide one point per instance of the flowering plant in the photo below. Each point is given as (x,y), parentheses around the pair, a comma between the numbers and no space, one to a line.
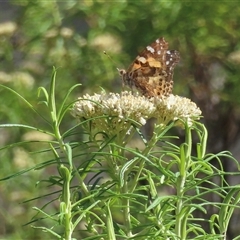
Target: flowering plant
(118,182)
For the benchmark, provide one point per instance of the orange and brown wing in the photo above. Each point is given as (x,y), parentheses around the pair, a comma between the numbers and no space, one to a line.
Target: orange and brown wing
(152,70)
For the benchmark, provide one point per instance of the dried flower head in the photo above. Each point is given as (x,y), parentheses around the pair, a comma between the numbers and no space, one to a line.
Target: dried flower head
(7,28)
(107,42)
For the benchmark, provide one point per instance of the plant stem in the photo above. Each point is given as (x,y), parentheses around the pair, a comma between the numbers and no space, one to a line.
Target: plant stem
(185,158)
(126,209)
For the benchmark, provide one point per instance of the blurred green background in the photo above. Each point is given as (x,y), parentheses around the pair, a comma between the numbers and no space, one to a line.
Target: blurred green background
(72,35)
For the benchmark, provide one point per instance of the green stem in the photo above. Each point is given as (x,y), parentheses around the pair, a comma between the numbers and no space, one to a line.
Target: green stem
(66,205)
(185,159)
(126,209)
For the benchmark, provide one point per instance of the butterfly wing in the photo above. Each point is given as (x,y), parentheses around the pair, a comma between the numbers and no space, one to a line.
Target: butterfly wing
(152,70)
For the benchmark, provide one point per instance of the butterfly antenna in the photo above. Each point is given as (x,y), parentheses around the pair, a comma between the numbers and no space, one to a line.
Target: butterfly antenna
(119,70)
(115,63)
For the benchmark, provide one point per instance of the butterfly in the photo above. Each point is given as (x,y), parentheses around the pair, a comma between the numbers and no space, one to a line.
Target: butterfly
(151,72)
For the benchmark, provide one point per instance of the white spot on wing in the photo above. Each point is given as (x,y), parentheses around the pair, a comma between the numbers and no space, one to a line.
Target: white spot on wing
(149,48)
(141,59)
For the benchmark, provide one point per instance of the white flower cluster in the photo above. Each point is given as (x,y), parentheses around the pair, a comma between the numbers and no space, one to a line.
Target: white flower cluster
(174,108)
(116,112)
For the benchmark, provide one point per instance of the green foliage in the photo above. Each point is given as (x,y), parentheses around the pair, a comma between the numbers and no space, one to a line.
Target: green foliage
(72,35)
(105,189)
